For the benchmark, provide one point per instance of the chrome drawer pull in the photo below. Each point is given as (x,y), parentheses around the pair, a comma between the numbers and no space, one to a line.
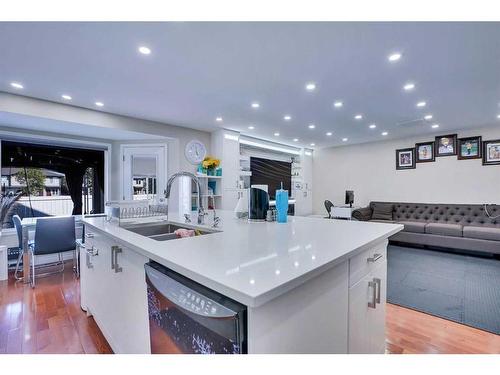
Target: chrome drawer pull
(373,285)
(93,251)
(115,250)
(87,260)
(377,282)
(89,235)
(375,257)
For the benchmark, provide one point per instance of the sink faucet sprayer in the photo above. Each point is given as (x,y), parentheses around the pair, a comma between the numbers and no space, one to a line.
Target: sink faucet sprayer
(201,211)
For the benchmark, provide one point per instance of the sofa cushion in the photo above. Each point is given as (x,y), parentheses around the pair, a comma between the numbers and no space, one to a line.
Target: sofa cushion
(382,211)
(482,233)
(454,230)
(414,226)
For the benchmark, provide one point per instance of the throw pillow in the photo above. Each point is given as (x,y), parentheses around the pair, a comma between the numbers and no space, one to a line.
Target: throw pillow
(382,211)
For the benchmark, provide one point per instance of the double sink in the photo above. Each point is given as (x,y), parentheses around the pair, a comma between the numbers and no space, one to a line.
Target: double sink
(164,230)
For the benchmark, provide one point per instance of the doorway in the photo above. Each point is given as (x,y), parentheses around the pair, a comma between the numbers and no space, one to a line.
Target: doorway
(144,171)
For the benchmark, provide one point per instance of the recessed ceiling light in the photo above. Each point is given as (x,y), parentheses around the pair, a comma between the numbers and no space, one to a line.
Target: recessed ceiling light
(338,104)
(358,117)
(409,86)
(421,104)
(144,50)
(384,133)
(373,126)
(251,127)
(276,134)
(313,144)
(17,85)
(66,97)
(295,139)
(255,105)
(344,139)
(435,126)
(311,126)
(311,86)
(498,116)
(218,119)
(329,133)
(428,117)
(394,57)
(99,104)
(287,117)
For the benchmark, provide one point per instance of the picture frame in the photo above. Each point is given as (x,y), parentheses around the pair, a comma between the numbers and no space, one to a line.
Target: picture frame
(424,152)
(491,152)
(469,148)
(405,158)
(445,145)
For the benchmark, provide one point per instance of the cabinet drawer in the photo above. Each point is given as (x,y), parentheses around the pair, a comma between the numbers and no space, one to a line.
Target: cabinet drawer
(362,264)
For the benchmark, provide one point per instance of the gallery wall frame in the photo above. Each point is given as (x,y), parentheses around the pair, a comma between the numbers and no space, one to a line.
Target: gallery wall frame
(469,148)
(491,152)
(445,145)
(424,152)
(405,158)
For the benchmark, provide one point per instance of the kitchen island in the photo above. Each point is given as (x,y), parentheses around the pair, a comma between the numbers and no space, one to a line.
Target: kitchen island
(310,285)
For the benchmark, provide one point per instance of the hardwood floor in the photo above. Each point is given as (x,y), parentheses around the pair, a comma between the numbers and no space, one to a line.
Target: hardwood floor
(48,319)
(409,331)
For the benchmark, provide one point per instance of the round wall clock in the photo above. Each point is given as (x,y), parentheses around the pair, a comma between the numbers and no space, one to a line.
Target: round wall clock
(195,152)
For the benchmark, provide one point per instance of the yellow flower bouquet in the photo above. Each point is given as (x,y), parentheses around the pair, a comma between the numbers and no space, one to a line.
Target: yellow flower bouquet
(210,164)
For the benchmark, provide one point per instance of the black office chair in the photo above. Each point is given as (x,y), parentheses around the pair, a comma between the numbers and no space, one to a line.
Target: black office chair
(328,206)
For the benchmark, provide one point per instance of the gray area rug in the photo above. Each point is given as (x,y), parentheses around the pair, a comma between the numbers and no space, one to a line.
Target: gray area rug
(457,287)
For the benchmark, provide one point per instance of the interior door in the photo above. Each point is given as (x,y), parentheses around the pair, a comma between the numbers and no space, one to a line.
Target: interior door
(144,172)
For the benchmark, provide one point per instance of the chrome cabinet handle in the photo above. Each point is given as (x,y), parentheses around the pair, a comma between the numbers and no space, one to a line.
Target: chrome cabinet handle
(87,261)
(373,285)
(374,258)
(89,235)
(377,282)
(115,250)
(93,251)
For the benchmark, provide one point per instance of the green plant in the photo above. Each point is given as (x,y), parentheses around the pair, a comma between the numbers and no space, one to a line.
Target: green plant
(6,206)
(34,183)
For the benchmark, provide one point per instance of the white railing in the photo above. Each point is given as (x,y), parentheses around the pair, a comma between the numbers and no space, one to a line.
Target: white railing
(50,205)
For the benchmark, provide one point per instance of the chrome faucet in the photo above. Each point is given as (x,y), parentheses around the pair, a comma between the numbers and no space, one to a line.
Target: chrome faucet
(201,211)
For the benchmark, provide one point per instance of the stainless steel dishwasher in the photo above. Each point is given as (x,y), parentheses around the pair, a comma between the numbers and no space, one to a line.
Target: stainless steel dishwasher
(186,317)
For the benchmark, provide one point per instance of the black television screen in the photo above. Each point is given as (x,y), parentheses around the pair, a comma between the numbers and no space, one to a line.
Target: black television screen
(271,173)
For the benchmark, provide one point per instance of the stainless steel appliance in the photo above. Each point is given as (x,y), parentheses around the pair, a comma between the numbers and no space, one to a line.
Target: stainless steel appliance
(186,317)
(258,204)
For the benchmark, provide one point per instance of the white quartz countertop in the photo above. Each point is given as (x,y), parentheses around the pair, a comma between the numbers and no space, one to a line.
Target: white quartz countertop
(254,262)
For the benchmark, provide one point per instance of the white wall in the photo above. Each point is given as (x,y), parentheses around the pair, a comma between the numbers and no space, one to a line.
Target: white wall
(369,169)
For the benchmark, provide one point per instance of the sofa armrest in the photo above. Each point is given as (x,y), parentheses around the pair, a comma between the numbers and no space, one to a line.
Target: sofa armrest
(362,214)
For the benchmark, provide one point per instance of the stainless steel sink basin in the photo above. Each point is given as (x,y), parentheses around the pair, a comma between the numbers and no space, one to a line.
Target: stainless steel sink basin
(163,231)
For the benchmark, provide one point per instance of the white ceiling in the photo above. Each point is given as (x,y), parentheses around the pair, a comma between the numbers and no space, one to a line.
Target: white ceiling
(198,71)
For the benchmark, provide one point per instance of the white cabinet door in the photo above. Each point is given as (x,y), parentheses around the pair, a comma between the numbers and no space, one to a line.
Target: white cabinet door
(129,325)
(114,292)
(100,298)
(367,312)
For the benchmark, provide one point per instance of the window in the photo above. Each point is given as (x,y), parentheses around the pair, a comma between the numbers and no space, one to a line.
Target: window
(52,180)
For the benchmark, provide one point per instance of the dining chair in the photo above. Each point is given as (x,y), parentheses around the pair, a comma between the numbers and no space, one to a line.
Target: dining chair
(53,235)
(19,229)
(328,207)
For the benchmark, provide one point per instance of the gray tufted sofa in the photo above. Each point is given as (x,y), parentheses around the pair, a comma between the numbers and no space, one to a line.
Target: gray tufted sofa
(454,226)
